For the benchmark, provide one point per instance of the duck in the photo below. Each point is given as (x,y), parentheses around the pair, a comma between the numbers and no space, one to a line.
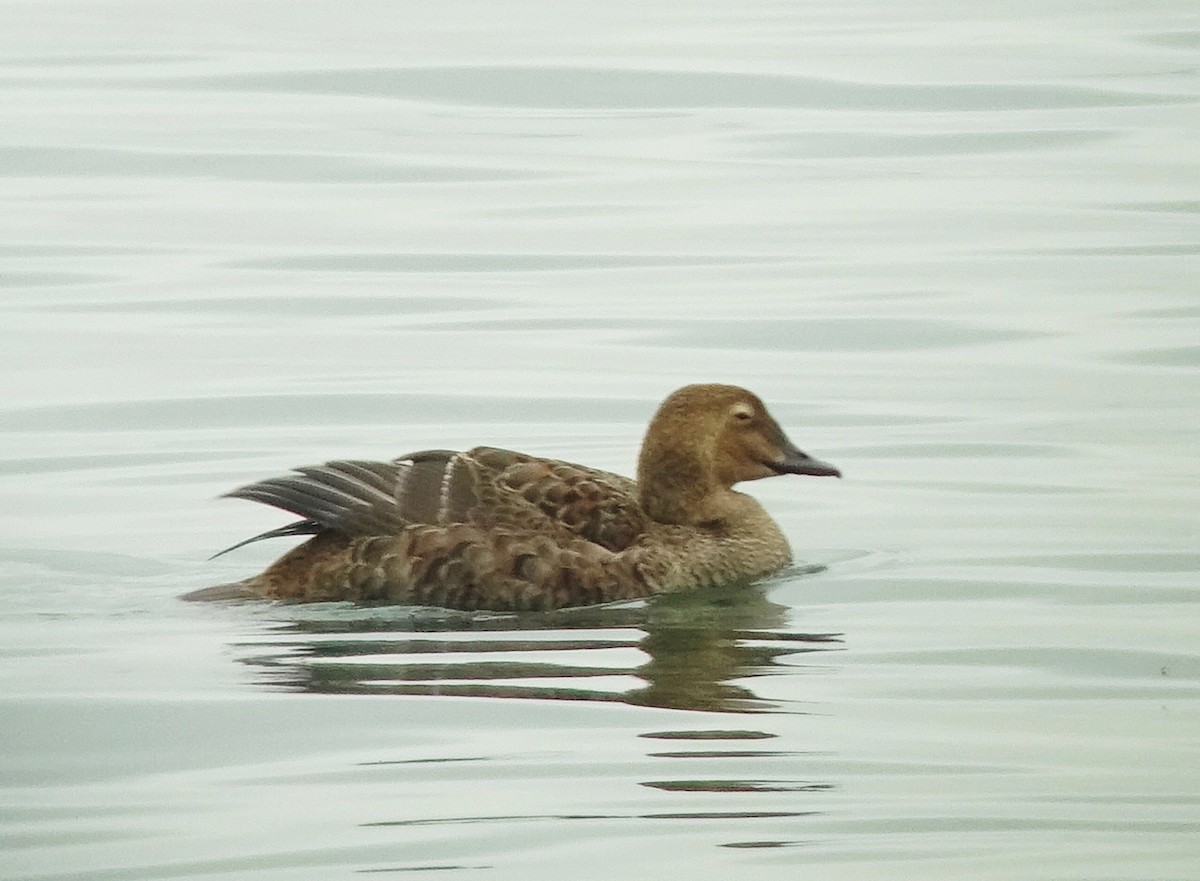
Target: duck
(493,529)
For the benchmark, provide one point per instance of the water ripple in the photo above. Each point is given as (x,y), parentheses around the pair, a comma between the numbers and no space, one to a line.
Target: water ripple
(596,89)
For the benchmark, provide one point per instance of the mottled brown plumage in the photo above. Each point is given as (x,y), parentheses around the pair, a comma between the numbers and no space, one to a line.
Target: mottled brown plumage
(494,529)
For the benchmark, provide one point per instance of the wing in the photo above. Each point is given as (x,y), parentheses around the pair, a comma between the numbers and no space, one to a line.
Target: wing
(358,497)
(485,486)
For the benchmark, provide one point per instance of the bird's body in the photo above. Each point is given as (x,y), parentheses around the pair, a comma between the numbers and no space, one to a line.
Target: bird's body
(494,529)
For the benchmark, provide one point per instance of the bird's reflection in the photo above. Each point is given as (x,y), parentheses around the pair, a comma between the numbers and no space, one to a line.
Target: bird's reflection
(696,651)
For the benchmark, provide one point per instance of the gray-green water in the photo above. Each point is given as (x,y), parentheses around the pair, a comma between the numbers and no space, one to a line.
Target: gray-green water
(954,248)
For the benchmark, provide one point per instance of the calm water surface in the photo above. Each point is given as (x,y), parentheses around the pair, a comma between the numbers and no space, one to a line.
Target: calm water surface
(956,251)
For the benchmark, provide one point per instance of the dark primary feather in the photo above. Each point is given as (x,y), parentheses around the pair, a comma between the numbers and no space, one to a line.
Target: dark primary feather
(300,527)
(357,479)
(358,497)
(350,496)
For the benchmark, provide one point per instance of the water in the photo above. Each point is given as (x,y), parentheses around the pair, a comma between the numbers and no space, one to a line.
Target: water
(953,248)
